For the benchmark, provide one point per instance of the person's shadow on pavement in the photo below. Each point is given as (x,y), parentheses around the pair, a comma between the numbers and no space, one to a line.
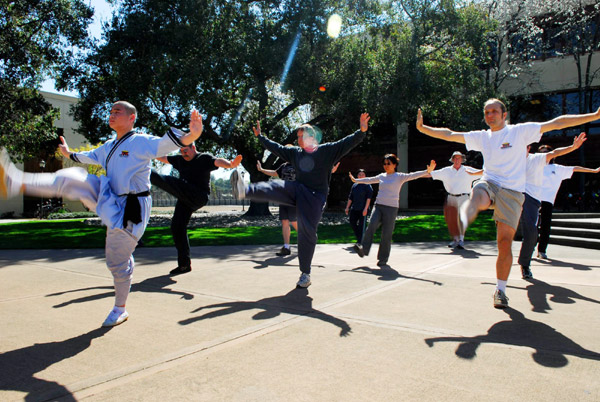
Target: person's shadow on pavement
(551,347)
(295,302)
(386,273)
(538,292)
(273,261)
(18,367)
(552,262)
(157,284)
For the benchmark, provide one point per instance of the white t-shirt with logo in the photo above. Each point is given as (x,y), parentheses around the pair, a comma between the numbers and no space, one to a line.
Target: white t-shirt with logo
(535,175)
(504,152)
(456,181)
(553,177)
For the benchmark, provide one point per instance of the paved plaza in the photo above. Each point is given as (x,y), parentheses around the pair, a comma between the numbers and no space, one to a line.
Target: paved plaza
(237,329)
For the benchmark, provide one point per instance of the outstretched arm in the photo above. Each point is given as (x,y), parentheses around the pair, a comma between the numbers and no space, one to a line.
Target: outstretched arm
(581,169)
(224,163)
(577,142)
(569,120)
(268,172)
(476,172)
(440,133)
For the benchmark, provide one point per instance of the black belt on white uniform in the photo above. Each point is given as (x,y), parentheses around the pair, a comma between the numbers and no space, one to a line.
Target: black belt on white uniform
(133,212)
(458,195)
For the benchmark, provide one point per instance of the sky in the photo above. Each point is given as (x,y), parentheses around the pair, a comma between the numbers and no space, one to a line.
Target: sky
(102,12)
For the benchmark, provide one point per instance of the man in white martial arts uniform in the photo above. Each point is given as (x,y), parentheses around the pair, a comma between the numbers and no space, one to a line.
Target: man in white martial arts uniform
(504,149)
(121,198)
(457,180)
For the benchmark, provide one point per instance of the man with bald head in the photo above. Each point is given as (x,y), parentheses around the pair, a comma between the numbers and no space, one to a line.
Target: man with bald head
(121,198)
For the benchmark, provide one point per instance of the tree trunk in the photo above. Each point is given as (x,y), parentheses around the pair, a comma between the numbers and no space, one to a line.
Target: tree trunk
(258,209)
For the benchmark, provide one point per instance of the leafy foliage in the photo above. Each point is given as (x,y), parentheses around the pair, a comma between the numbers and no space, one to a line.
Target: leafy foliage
(36,38)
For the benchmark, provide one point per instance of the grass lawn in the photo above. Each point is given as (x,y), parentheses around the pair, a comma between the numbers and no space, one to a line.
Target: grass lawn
(75,234)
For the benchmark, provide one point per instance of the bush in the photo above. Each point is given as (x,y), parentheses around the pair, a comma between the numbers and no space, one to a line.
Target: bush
(71,215)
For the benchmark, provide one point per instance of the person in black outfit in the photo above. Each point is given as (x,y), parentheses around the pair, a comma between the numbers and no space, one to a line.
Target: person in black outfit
(314,163)
(358,204)
(191,189)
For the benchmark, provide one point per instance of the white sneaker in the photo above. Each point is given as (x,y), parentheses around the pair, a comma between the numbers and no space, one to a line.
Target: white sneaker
(11,178)
(237,185)
(452,244)
(115,317)
(304,280)
(460,245)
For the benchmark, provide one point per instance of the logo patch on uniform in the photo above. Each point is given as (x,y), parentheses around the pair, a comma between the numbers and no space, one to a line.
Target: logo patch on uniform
(124,154)
(506,145)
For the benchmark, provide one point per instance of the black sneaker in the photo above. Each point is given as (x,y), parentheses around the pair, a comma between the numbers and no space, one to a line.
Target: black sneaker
(283,252)
(526,272)
(359,250)
(180,270)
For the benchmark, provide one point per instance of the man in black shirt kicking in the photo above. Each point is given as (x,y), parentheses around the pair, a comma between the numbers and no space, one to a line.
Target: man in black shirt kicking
(191,189)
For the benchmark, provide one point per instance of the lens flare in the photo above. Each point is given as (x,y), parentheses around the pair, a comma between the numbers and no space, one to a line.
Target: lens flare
(334,26)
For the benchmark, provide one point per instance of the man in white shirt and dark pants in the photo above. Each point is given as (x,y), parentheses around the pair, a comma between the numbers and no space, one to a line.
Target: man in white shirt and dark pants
(533,195)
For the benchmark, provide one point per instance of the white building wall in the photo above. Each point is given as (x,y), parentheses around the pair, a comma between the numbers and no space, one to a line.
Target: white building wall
(75,140)
(550,75)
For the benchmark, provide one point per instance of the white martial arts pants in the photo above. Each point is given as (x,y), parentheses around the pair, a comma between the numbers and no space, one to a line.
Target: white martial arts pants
(76,184)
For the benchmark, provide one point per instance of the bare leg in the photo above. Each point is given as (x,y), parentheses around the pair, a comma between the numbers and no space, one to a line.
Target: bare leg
(286,231)
(505,235)
(477,202)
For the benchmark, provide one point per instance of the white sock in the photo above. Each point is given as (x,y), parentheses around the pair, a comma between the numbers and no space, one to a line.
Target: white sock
(286,245)
(501,285)
(119,309)
(461,238)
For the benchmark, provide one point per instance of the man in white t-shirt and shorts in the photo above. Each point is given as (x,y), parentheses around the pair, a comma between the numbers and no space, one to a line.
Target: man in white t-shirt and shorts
(504,149)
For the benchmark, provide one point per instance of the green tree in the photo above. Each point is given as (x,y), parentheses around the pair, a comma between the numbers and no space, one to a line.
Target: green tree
(226,58)
(35,42)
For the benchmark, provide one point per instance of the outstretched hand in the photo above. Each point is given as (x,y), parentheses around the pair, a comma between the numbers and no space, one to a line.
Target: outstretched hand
(419,119)
(431,166)
(256,129)
(364,122)
(236,161)
(351,177)
(196,126)
(64,148)
(579,140)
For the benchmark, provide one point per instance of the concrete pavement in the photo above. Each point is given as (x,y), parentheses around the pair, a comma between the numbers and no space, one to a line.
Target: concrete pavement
(236,329)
